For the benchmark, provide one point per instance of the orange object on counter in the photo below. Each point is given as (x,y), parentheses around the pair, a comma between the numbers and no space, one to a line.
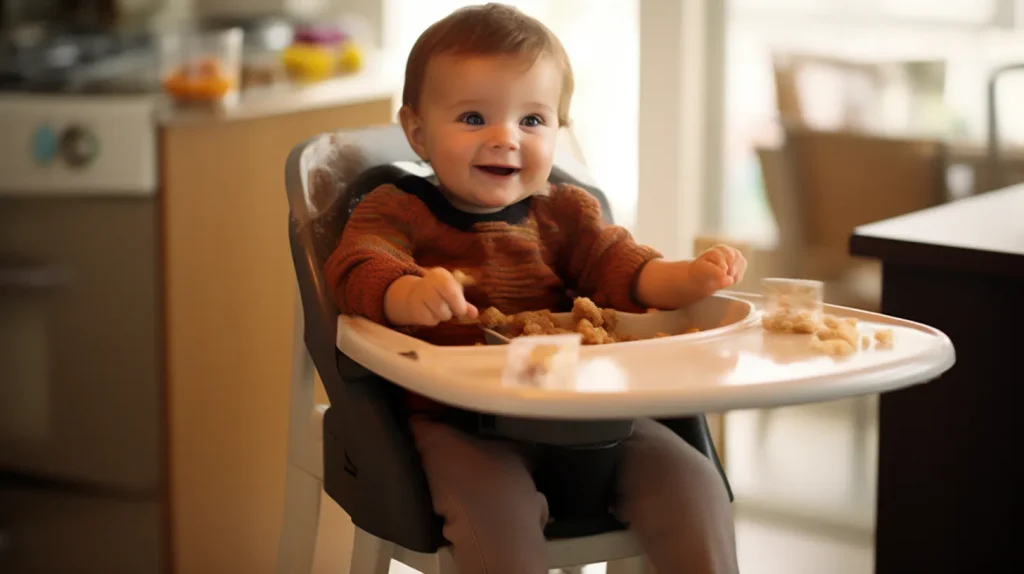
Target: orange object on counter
(204,80)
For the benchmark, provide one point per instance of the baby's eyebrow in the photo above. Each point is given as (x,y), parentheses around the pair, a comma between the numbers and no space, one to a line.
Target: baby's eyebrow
(477,102)
(462,103)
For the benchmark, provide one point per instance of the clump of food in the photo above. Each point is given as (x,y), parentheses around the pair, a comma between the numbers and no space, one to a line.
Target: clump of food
(596,325)
(836,337)
(548,362)
(792,305)
(789,321)
(797,306)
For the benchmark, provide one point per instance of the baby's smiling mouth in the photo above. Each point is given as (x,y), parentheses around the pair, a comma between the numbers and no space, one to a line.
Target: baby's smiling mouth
(503,170)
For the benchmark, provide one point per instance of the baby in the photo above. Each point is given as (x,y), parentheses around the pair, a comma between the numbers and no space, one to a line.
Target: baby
(486,90)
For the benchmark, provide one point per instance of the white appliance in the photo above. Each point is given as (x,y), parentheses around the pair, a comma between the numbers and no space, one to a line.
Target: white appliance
(82,434)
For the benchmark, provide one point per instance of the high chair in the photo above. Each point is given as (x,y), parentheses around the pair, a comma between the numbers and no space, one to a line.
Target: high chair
(358,449)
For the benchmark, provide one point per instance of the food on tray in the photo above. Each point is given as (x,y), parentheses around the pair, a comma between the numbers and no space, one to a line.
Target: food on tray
(596,325)
(789,321)
(795,306)
(884,337)
(546,362)
(792,305)
(201,80)
(540,360)
(836,337)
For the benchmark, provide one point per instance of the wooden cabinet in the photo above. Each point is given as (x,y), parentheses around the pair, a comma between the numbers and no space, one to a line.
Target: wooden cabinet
(229,288)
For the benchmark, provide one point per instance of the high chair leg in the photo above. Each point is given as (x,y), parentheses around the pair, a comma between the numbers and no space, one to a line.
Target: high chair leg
(638,565)
(370,555)
(297,544)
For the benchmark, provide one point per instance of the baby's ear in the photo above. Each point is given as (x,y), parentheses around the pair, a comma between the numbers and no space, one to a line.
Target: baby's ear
(412,125)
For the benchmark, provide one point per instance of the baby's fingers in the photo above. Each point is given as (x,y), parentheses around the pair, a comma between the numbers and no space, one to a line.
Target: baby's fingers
(716,257)
(438,308)
(451,293)
(739,268)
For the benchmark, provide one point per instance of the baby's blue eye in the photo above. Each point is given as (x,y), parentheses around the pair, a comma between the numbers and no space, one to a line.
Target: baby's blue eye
(532,121)
(472,118)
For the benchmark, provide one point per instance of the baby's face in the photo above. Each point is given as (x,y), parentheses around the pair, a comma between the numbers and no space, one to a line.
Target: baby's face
(487,124)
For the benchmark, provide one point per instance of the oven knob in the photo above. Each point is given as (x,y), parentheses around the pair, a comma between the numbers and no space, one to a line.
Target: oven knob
(78,146)
(44,145)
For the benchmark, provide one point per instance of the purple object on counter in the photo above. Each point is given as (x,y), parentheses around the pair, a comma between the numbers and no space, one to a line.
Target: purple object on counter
(323,35)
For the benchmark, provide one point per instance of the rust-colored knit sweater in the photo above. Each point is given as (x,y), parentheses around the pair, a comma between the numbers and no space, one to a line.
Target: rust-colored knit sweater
(522,258)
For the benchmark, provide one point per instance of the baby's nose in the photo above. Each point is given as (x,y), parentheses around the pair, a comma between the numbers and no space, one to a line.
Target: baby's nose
(504,137)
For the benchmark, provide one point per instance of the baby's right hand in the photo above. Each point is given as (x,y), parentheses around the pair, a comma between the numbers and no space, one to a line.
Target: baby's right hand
(426,301)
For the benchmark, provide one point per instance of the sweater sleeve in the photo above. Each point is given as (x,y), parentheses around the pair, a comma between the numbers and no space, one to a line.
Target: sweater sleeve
(376,248)
(602,260)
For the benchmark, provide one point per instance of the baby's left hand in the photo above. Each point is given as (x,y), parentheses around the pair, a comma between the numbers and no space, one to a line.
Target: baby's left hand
(718,267)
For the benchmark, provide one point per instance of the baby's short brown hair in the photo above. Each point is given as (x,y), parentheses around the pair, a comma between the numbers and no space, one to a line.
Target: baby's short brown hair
(486,30)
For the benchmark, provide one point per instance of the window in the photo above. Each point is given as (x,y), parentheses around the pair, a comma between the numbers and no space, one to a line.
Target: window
(957,33)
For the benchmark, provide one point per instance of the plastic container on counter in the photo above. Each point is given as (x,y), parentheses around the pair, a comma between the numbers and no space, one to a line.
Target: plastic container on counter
(202,67)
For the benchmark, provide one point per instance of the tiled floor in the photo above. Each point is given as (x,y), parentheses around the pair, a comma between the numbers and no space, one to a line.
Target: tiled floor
(772,547)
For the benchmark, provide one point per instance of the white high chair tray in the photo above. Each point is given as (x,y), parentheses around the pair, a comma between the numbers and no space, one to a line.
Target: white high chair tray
(736,366)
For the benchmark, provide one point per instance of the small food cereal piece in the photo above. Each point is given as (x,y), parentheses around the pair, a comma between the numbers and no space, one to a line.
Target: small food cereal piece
(837,337)
(492,318)
(611,319)
(838,330)
(584,308)
(833,347)
(532,329)
(804,323)
(851,321)
(785,320)
(462,279)
(660,335)
(884,337)
(692,330)
(865,342)
(592,335)
(542,318)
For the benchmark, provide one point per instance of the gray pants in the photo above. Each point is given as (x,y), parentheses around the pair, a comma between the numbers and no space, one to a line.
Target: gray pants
(669,495)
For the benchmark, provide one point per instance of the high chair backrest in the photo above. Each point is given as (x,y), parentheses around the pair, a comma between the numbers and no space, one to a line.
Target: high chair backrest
(326,177)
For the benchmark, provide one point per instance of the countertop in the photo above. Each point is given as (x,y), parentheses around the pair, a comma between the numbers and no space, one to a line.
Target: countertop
(380,77)
(983,233)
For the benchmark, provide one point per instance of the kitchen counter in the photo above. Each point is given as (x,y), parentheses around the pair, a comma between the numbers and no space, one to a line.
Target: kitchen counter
(381,77)
(229,308)
(946,481)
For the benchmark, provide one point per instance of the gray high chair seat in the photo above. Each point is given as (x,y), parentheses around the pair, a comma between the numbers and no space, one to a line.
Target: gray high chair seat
(370,467)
